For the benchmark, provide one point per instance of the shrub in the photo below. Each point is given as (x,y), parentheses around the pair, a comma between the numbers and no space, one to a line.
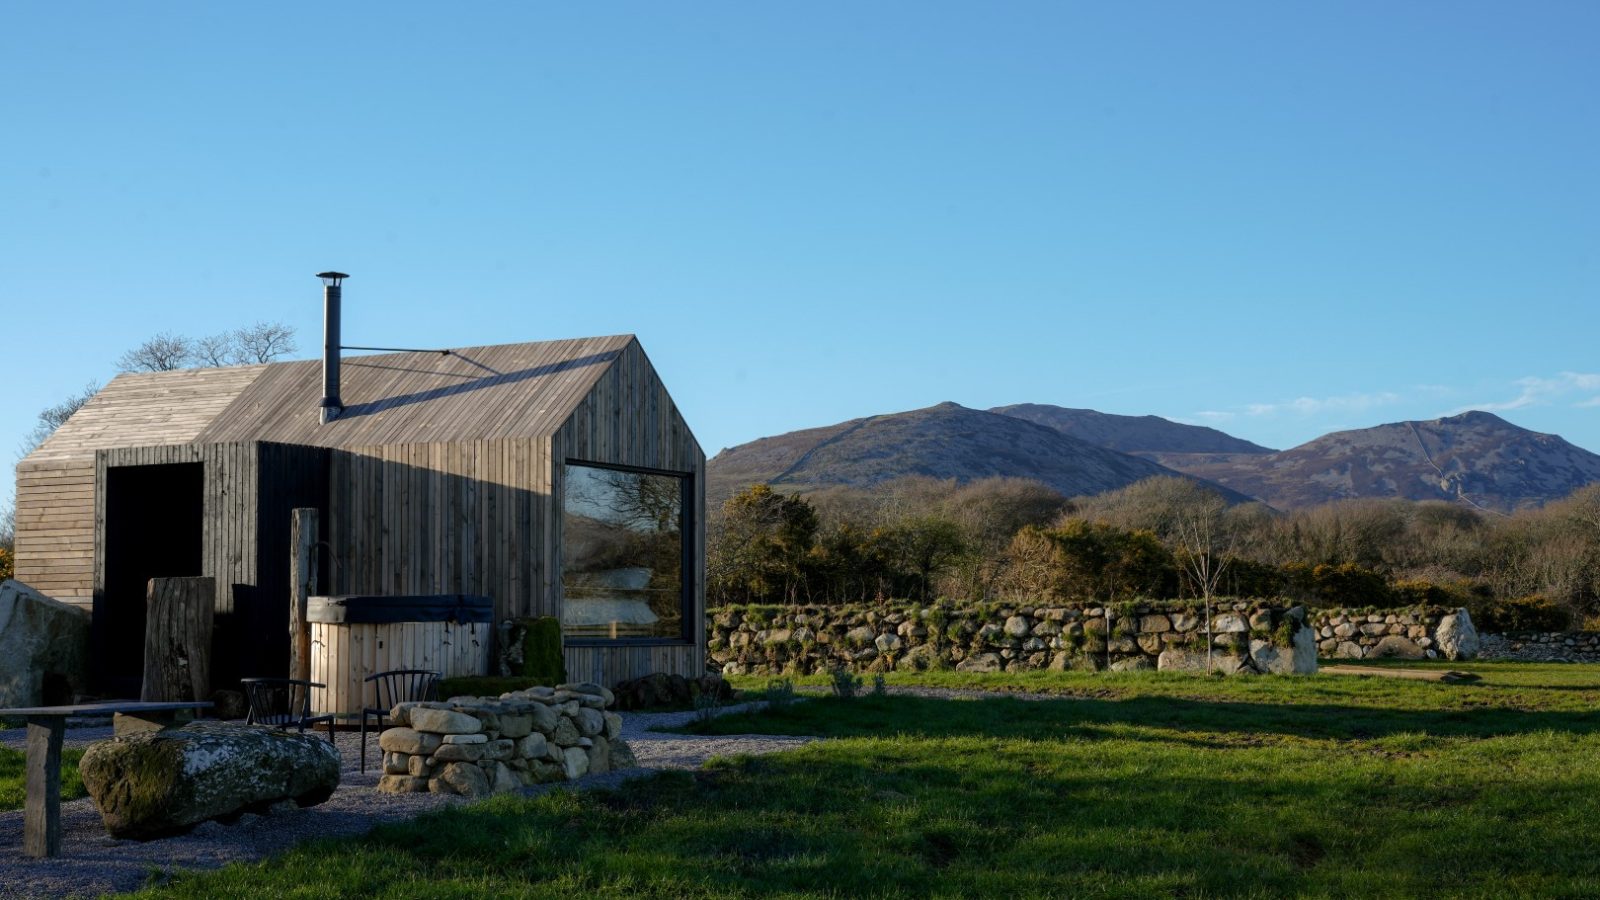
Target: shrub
(7,564)
(1531,613)
(845,683)
(542,658)
(779,694)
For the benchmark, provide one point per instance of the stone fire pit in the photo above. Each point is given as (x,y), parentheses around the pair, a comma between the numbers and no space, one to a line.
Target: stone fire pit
(476,746)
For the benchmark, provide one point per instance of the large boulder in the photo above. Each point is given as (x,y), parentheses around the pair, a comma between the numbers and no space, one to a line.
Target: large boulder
(1457,637)
(155,783)
(44,648)
(1396,647)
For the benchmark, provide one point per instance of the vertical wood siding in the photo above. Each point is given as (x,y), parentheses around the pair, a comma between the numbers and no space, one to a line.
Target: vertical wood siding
(464,518)
(629,419)
(342,656)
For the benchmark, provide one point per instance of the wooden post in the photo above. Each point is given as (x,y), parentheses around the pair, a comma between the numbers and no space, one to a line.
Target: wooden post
(177,638)
(41,817)
(302,584)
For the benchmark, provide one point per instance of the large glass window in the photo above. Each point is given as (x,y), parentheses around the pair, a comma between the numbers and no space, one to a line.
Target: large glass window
(622,554)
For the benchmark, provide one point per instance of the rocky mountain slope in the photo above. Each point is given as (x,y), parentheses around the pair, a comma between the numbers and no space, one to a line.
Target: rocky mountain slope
(1130,434)
(1475,457)
(944,441)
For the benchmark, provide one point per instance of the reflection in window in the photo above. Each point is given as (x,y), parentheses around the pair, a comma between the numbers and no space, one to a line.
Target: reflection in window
(622,554)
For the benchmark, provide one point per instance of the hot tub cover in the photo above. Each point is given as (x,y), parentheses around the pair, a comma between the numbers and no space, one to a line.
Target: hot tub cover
(376,609)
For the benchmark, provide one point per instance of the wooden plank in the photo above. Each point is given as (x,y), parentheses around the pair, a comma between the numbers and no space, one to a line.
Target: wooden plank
(41,815)
(177,642)
(303,583)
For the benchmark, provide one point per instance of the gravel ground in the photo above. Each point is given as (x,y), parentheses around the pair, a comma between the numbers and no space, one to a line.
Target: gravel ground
(92,863)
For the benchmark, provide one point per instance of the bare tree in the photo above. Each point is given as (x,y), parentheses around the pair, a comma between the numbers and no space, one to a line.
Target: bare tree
(262,342)
(162,353)
(1206,542)
(216,350)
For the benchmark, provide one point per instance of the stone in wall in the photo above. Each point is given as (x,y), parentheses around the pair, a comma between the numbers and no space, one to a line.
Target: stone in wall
(477,746)
(1246,637)
(1411,633)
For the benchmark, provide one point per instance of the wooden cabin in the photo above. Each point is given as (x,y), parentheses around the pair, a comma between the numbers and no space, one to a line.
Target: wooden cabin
(557,478)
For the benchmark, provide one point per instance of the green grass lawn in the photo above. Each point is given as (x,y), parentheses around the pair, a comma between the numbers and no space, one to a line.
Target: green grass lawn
(1128,785)
(12,785)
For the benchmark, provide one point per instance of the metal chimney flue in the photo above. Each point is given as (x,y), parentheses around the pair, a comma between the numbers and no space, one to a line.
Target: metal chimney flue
(332,405)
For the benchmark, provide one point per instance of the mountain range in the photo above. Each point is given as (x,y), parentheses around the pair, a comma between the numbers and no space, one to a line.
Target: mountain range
(1475,458)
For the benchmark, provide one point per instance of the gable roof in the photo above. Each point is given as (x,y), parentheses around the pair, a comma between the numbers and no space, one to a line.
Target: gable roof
(475,393)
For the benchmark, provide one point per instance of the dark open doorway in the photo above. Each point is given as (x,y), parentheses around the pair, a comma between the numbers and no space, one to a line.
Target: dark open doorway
(154,529)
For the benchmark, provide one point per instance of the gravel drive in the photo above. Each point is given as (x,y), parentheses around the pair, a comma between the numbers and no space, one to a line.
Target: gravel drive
(92,863)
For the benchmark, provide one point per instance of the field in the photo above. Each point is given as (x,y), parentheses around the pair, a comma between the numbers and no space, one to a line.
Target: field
(12,775)
(1125,786)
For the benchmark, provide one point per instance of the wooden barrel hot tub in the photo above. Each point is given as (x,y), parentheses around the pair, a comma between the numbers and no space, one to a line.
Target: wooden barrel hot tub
(356,636)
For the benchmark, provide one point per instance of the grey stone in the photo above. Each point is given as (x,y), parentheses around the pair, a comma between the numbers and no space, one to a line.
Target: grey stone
(613,725)
(544,718)
(419,766)
(888,643)
(516,726)
(589,687)
(444,721)
(479,738)
(459,753)
(159,782)
(462,778)
(532,746)
(500,750)
(1229,623)
(980,662)
(622,755)
(860,636)
(502,780)
(1457,637)
(408,740)
(397,763)
(1155,624)
(1396,647)
(40,637)
(402,784)
(599,757)
(590,722)
(575,762)
(1132,664)
(1185,622)
(1017,627)
(565,733)
(1349,650)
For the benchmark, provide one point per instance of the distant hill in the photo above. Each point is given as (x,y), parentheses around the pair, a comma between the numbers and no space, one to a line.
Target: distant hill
(1130,434)
(1476,457)
(944,441)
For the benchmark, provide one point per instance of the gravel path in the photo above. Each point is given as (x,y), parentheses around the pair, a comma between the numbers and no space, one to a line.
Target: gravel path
(92,863)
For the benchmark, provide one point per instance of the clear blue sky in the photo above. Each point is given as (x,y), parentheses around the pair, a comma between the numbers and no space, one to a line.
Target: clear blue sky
(1278,218)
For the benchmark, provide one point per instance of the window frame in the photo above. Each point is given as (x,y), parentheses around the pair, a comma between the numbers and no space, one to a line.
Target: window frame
(686,524)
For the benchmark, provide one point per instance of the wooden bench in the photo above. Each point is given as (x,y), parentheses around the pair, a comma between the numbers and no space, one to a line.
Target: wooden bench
(41,822)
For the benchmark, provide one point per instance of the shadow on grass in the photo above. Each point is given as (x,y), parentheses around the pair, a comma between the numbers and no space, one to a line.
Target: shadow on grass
(1088,717)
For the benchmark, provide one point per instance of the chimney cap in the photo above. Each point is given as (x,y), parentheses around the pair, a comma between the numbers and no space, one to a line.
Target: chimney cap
(332,277)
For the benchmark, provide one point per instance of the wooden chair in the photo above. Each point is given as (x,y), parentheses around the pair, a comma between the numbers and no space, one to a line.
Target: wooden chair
(393,687)
(283,703)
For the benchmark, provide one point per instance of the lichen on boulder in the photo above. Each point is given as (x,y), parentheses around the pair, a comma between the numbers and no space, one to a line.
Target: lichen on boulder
(156,783)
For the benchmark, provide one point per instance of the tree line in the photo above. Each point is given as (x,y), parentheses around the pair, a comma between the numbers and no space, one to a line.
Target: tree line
(1162,538)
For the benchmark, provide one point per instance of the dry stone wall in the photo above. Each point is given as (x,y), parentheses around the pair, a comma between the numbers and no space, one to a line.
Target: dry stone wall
(1414,633)
(476,746)
(1243,637)
(1543,646)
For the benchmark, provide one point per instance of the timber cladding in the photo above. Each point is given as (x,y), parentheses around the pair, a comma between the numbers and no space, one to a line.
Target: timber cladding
(444,475)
